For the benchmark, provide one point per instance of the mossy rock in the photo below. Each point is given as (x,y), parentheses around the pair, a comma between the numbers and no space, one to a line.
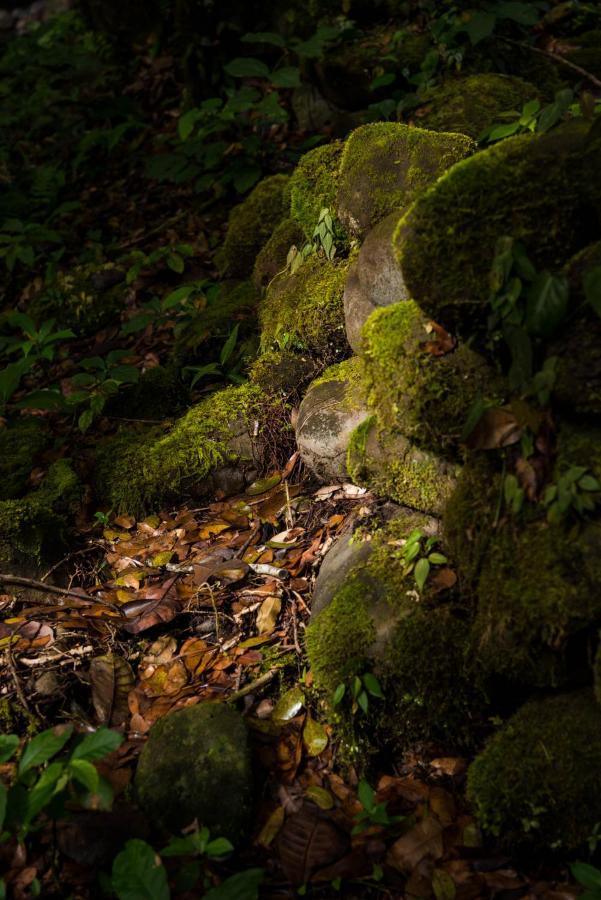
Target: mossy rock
(21,441)
(493,56)
(537,783)
(284,373)
(271,260)
(304,311)
(473,103)
(384,167)
(85,298)
(415,645)
(313,185)
(388,464)
(446,242)
(424,396)
(334,405)
(196,765)
(33,528)
(137,472)
(250,225)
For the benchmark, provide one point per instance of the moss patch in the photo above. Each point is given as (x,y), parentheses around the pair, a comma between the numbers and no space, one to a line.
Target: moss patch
(446,243)
(250,225)
(305,311)
(470,105)
(20,442)
(33,527)
(137,472)
(284,373)
(425,397)
(271,260)
(385,165)
(538,781)
(313,185)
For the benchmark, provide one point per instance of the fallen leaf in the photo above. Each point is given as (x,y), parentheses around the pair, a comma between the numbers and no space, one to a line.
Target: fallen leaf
(423,840)
(320,796)
(111,680)
(268,614)
(315,737)
(271,827)
(289,705)
(449,765)
(263,485)
(496,428)
(309,841)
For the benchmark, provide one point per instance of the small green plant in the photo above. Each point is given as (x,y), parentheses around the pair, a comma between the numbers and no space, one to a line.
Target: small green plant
(418,556)
(34,345)
(323,240)
(174,256)
(221,368)
(590,879)
(537,118)
(373,814)
(577,491)
(20,242)
(360,689)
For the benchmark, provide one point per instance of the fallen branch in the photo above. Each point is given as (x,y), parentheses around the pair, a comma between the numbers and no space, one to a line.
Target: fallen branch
(19,581)
(556,58)
(253,686)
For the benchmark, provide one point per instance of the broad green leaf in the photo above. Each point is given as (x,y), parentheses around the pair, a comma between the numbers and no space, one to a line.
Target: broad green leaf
(8,745)
(588,876)
(228,347)
(591,283)
(315,737)
(84,773)
(218,847)
(589,483)
(98,744)
(187,122)
(547,304)
(138,873)
(3,799)
(479,26)
(363,702)
(421,572)
(289,705)
(499,132)
(176,263)
(286,77)
(437,559)
(43,747)
(373,685)
(52,780)
(382,81)
(247,67)
(243,886)
(263,37)
(339,694)
(366,795)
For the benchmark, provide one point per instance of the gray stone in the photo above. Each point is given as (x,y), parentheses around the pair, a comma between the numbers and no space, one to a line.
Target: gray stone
(374,280)
(196,766)
(328,415)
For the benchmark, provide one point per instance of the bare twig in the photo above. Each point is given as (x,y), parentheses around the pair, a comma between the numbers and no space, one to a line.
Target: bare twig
(19,581)
(556,58)
(253,686)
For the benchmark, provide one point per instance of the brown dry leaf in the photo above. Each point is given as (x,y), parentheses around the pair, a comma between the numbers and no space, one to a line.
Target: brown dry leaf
(442,580)
(449,765)
(111,680)
(442,342)
(496,428)
(442,805)
(212,528)
(126,522)
(21,634)
(271,827)
(159,604)
(309,841)
(315,737)
(169,679)
(267,614)
(424,840)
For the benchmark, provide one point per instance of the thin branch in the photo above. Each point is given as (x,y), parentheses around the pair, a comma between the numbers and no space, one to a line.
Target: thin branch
(556,58)
(253,686)
(19,581)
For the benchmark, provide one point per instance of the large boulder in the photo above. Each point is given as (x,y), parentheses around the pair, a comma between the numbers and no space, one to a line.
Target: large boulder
(374,280)
(196,765)
(446,243)
(537,783)
(385,165)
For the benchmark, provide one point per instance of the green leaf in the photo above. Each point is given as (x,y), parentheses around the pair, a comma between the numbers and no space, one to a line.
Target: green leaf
(363,702)
(373,685)
(499,132)
(247,67)
(43,747)
(421,572)
(591,283)
(50,782)
(3,802)
(366,795)
(547,304)
(98,744)
(228,347)
(336,699)
(8,745)
(588,876)
(437,559)
(286,77)
(138,873)
(243,886)
(187,122)
(263,37)
(382,81)
(176,263)
(589,483)
(85,773)
(218,847)
(480,25)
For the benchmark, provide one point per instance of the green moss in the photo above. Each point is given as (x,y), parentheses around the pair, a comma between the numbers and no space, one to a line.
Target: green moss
(417,648)
(446,243)
(351,371)
(250,225)
(138,472)
(271,260)
(33,527)
(384,167)
(388,464)
(78,301)
(471,104)
(305,310)
(424,396)
(283,372)
(196,766)
(313,185)
(537,783)
(20,443)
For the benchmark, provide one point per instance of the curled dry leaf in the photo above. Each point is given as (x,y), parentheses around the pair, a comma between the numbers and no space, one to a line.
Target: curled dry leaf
(496,428)
(160,604)
(111,680)
(309,841)
(441,342)
(268,614)
(424,840)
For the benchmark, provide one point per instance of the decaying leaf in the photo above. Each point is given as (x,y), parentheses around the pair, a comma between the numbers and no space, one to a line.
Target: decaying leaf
(111,680)
(309,841)
(497,427)
(424,840)
(315,737)
(268,614)
(288,706)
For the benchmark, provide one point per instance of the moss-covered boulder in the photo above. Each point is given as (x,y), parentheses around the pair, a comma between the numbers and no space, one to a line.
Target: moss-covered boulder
(388,464)
(374,280)
(304,310)
(84,298)
(136,472)
(384,167)
(196,765)
(33,527)
(416,644)
(446,243)
(284,373)
(418,385)
(332,408)
(250,225)
(473,103)
(313,185)
(271,260)
(537,783)
(20,443)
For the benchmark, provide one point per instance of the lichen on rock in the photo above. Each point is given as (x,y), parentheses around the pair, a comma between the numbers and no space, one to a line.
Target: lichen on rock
(537,783)
(385,165)
(250,225)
